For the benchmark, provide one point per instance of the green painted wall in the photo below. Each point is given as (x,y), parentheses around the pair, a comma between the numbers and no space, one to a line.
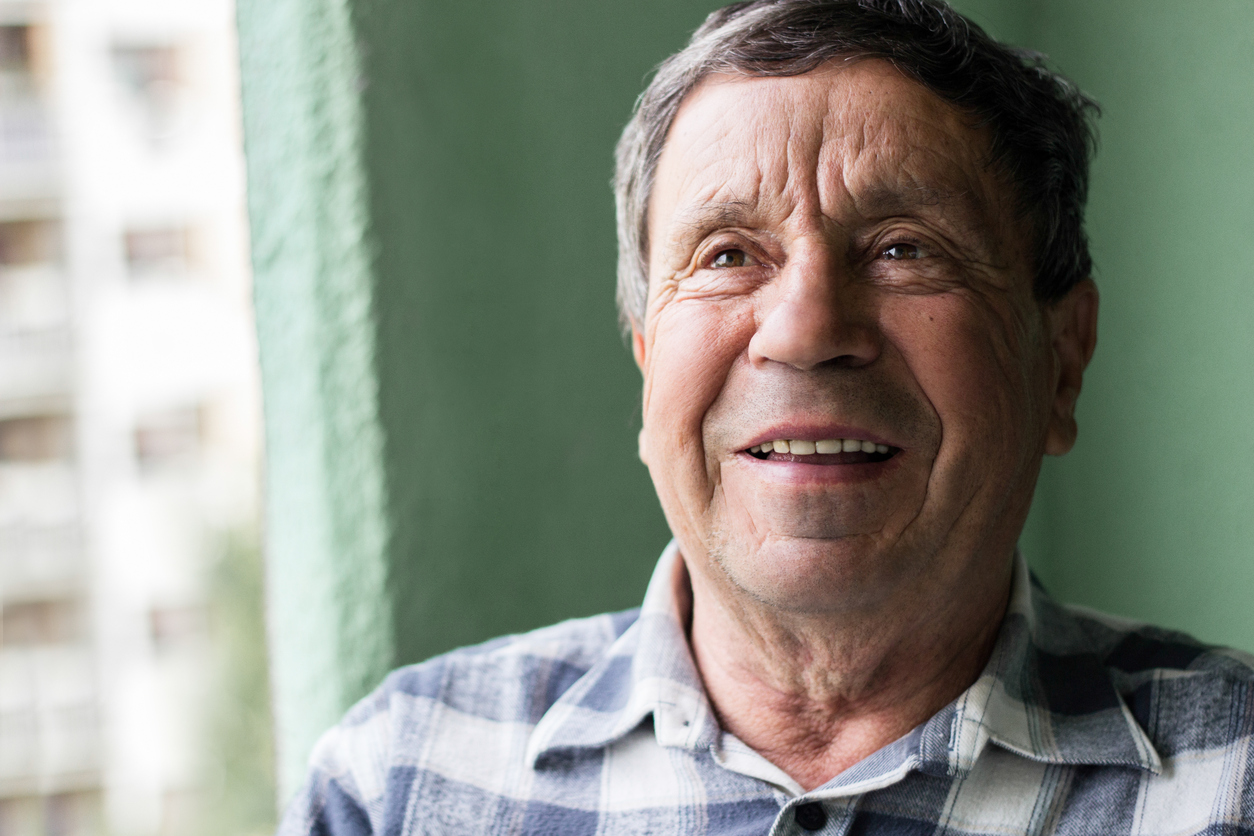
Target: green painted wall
(1152,515)
(508,402)
(451,417)
(1006,20)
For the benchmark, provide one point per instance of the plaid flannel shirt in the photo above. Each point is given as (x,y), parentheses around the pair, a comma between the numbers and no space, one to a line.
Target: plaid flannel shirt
(1079,724)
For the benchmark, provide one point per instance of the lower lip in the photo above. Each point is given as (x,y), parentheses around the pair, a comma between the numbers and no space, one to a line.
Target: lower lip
(796,470)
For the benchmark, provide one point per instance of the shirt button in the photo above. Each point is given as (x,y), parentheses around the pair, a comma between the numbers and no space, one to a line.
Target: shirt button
(810,816)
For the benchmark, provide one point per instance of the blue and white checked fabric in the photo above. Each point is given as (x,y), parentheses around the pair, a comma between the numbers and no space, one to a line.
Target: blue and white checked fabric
(1079,724)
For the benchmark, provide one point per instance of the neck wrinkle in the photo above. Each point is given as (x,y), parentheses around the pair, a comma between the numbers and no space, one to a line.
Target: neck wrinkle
(799,695)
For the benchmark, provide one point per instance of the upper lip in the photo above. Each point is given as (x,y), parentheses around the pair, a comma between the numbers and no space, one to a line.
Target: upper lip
(815,432)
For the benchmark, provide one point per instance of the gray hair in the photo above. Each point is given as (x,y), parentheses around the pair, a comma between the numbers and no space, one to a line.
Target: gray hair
(1040,123)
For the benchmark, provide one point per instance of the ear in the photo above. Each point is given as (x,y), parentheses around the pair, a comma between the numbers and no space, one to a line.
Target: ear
(637,351)
(637,346)
(1072,322)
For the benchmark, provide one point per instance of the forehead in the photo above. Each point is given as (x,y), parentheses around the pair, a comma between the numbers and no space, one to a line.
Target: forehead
(844,141)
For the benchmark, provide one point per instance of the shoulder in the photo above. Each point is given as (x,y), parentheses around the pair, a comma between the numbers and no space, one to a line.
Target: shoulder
(1187,695)
(433,712)
(1137,650)
(511,679)
(1194,704)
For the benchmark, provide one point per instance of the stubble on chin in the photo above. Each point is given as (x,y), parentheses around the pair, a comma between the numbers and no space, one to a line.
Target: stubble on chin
(749,557)
(819,577)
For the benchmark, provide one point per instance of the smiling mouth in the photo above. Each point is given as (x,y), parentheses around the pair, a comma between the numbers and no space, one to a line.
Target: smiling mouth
(825,452)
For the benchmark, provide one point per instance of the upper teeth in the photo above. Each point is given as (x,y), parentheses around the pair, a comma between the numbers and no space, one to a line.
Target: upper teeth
(798,447)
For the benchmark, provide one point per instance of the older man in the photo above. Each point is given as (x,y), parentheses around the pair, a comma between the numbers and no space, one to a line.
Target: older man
(856,283)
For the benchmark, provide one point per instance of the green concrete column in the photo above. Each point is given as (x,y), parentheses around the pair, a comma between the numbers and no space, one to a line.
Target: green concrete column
(327,524)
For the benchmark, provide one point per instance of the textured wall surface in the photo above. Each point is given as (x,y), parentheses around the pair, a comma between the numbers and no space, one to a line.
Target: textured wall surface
(451,417)
(327,520)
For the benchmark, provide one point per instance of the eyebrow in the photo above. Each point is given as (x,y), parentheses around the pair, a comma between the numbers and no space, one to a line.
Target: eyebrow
(875,204)
(699,219)
(960,210)
(883,202)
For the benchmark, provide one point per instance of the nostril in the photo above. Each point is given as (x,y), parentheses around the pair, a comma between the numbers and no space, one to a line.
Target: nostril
(807,340)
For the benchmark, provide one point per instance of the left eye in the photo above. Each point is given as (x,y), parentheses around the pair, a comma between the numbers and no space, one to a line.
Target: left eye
(902,252)
(730,258)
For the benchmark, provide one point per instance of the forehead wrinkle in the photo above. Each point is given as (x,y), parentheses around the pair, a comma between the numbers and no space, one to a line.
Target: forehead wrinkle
(779,185)
(940,187)
(959,207)
(706,200)
(800,192)
(949,198)
(841,156)
(876,154)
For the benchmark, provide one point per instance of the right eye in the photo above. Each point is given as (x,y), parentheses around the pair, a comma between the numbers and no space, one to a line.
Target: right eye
(730,258)
(902,252)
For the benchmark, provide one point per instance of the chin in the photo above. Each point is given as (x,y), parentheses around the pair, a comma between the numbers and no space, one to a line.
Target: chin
(809,574)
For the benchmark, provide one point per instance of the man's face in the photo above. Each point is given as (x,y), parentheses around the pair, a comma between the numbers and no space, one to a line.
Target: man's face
(832,259)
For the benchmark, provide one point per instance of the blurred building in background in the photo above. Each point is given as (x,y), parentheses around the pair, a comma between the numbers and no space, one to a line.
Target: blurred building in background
(128,416)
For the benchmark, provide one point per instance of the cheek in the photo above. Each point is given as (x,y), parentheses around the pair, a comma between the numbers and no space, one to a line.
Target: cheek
(692,349)
(976,366)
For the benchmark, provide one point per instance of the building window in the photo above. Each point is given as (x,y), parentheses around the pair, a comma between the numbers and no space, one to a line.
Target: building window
(153,87)
(158,252)
(178,626)
(37,438)
(64,814)
(32,286)
(169,439)
(15,49)
(27,242)
(31,623)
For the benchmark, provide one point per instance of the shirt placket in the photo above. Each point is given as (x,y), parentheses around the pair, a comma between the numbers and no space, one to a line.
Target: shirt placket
(806,816)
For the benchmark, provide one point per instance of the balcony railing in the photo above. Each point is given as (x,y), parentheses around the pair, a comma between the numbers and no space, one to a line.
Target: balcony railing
(38,494)
(35,364)
(40,561)
(29,168)
(49,722)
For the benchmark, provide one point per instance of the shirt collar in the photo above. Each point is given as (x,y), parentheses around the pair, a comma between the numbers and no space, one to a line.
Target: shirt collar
(647,671)
(1044,694)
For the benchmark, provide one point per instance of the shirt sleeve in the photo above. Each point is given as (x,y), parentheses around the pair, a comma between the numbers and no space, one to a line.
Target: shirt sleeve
(349,790)
(345,791)
(325,807)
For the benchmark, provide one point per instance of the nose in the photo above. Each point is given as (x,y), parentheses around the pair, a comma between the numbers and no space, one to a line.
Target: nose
(815,316)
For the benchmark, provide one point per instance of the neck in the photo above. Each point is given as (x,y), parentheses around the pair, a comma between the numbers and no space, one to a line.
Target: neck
(816,693)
